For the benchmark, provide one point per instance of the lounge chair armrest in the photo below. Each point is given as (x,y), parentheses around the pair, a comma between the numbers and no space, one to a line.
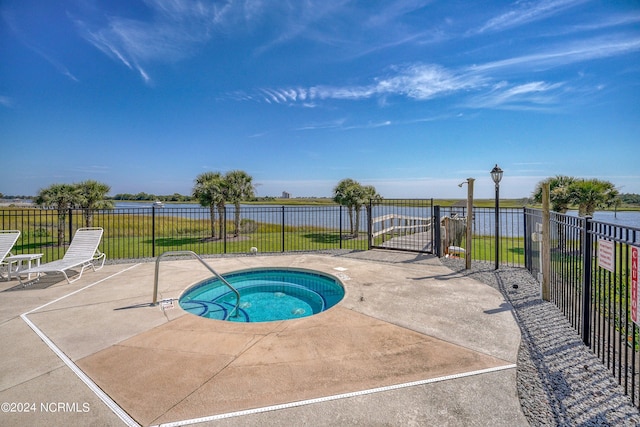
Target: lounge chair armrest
(97,256)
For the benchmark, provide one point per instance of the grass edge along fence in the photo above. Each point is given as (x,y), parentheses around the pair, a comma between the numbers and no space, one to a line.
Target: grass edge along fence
(592,282)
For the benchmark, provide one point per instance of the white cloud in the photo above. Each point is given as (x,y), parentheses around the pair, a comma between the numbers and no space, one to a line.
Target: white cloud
(6,101)
(527,95)
(583,50)
(334,124)
(297,19)
(477,82)
(416,81)
(177,28)
(527,12)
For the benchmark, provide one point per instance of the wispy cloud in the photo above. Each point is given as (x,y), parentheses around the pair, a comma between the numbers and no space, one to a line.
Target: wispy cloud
(526,12)
(177,28)
(602,23)
(8,18)
(343,125)
(579,51)
(424,82)
(299,19)
(5,101)
(333,124)
(54,62)
(483,85)
(416,81)
(532,95)
(91,169)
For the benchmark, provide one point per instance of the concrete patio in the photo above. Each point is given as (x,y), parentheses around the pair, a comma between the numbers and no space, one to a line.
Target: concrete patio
(411,344)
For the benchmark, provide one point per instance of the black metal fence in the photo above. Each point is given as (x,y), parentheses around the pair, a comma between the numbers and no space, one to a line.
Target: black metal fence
(131,233)
(509,240)
(404,224)
(593,280)
(141,232)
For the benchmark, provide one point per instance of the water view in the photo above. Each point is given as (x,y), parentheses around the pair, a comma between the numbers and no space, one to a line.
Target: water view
(510,218)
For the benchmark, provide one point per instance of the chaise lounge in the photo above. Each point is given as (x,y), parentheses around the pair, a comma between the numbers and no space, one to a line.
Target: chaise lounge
(8,238)
(83,252)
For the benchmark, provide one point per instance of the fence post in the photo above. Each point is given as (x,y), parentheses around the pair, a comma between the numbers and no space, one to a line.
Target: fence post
(469,239)
(153,231)
(587,250)
(369,226)
(340,225)
(70,225)
(283,228)
(527,243)
(435,228)
(224,230)
(545,244)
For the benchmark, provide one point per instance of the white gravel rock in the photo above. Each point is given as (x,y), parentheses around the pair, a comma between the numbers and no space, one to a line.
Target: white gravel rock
(560,381)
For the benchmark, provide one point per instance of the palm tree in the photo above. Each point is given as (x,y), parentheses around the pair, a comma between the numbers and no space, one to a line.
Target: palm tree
(560,196)
(353,195)
(560,199)
(61,197)
(588,194)
(208,189)
(92,198)
(345,193)
(372,196)
(592,194)
(238,187)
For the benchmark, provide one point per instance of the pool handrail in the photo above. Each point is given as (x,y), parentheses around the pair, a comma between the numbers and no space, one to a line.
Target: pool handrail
(195,255)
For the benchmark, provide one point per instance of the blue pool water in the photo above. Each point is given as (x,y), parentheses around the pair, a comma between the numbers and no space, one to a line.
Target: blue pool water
(266,294)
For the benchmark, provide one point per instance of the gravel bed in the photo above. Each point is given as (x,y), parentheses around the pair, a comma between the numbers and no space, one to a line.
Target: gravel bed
(560,381)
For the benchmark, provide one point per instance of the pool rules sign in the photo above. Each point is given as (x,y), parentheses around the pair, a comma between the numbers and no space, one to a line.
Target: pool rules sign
(635,272)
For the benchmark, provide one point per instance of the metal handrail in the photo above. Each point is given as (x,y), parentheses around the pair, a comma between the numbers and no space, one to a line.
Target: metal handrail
(219,277)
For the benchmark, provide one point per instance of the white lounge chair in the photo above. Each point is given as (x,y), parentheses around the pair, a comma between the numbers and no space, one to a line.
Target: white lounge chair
(83,252)
(8,238)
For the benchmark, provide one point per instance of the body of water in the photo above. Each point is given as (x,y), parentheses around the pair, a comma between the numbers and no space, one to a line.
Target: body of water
(330,216)
(624,218)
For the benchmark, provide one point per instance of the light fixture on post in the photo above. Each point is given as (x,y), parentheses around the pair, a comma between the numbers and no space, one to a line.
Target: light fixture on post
(496,175)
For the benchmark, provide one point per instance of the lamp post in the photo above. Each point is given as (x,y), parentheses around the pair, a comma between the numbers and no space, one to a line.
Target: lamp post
(496,175)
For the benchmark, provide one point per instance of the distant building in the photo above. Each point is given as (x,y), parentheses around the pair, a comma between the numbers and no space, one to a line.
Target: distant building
(286,195)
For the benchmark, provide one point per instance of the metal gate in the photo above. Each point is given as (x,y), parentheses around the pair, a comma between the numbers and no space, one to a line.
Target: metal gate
(402,224)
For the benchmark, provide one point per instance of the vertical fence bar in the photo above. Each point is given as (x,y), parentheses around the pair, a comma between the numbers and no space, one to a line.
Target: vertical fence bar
(436,246)
(622,307)
(340,223)
(586,281)
(153,231)
(70,236)
(528,250)
(283,225)
(224,230)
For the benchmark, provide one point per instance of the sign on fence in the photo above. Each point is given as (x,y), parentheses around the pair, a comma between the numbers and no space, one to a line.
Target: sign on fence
(606,256)
(635,272)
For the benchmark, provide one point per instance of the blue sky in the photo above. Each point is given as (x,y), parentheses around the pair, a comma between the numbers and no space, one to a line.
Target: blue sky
(410,96)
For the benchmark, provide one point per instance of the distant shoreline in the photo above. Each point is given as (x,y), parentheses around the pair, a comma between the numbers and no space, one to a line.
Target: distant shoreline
(311,201)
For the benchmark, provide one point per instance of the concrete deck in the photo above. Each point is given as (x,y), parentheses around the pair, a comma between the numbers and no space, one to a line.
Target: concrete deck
(411,344)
